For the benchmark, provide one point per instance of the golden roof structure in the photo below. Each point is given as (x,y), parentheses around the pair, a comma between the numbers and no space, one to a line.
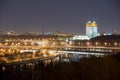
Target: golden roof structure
(91,24)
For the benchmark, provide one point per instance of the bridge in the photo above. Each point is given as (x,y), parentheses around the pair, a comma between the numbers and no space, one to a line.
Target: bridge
(95,49)
(32,60)
(100,49)
(81,53)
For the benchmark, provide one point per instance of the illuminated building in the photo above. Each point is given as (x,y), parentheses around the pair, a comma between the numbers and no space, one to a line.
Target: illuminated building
(91,29)
(80,37)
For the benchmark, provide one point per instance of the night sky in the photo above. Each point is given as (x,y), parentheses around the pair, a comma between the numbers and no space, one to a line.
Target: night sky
(59,15)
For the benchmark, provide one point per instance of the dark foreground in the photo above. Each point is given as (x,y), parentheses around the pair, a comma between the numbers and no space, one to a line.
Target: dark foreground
(94,68)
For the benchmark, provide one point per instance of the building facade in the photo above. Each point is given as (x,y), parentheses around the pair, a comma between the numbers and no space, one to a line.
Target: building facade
(91,29)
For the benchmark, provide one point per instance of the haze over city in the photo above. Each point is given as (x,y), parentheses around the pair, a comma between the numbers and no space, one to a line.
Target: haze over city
(58,15)
(60,39)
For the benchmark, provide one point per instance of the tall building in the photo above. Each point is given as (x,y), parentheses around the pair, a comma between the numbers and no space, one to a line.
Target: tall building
(91,29)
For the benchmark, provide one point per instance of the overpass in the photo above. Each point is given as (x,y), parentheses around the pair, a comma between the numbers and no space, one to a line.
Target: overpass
(100,49)
(81,53)
(32,60)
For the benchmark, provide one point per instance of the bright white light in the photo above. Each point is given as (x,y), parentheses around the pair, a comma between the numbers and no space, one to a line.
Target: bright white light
(80,37)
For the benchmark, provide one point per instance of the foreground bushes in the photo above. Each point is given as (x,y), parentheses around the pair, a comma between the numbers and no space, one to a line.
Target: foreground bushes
(106,68)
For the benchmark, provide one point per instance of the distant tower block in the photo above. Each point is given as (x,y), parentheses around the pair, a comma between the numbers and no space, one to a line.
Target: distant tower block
(91,29)
(42,30)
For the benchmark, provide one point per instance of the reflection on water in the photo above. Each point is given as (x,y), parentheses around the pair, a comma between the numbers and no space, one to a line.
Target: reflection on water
(3,68)
(75,57)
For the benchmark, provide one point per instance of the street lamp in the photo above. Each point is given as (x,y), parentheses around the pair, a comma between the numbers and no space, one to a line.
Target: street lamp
(96,43)
(115,44)
(6,43)
(25,43)
(88,43)
(19,43)
(105,43)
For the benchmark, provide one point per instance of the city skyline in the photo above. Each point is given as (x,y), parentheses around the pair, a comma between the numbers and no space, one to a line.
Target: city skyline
(66,16)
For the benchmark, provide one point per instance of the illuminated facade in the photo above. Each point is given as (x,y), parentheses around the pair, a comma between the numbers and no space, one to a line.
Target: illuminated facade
(80,37)
(91,29)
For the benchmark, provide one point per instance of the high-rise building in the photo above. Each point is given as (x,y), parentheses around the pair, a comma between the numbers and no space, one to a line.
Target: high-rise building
(91,29)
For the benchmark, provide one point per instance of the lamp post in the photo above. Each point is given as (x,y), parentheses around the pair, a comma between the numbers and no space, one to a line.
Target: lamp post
(105,43)
(88,43)
(96,43)
(115,44)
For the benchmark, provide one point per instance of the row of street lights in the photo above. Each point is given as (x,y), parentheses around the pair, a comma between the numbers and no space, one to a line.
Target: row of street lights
(115,44)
